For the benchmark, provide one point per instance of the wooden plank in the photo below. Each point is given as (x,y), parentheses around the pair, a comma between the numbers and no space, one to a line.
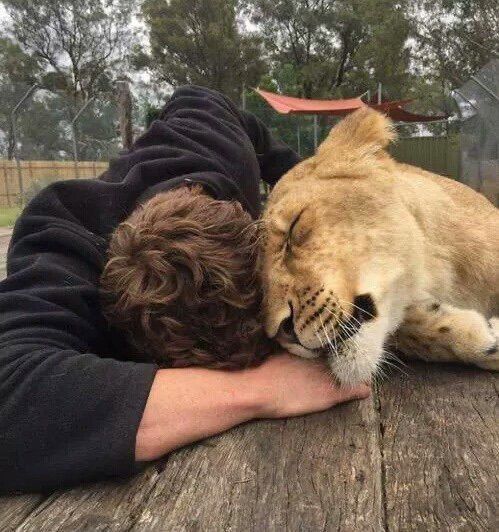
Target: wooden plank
(5,235)
(440,443)
(44,171)
(94,507)
(319,472)
(14,510)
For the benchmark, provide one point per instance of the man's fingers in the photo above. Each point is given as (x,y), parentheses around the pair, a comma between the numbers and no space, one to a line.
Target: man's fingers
(348,394)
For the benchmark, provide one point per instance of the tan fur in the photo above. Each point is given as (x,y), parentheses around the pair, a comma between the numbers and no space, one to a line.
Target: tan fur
(411,239)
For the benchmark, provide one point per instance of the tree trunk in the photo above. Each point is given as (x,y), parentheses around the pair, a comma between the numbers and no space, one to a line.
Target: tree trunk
(10,143)
(125,113)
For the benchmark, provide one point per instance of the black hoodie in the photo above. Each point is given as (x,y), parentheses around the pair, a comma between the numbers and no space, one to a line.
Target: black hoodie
(70,402)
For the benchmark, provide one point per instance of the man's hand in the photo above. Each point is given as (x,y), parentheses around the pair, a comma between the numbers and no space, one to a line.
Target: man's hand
(186,405)
(291,386)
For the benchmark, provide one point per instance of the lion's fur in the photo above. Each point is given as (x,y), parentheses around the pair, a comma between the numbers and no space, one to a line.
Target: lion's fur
(372,225)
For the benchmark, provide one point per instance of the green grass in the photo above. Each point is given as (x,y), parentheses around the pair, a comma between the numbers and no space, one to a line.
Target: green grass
(8,216)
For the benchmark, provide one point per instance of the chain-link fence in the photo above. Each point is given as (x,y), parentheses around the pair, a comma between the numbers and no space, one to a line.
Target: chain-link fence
(50,135)
(478,103)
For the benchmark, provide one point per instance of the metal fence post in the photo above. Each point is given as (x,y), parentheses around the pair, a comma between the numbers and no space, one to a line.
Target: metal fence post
(298,138)
(489,91)
(13,117)
(316,132)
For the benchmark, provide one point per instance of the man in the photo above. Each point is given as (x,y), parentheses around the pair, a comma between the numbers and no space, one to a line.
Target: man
(75,404)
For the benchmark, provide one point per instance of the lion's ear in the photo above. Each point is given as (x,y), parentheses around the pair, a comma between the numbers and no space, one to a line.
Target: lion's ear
(365,130)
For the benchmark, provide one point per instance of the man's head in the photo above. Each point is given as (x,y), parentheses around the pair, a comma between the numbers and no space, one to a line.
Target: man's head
(182,281)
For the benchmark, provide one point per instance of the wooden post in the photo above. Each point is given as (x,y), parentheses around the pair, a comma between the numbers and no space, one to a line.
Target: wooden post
(20,181)
(75,148)
(125,114)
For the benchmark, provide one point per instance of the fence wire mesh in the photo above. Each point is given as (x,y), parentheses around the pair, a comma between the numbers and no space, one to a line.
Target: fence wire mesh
(478,104)
(49,135)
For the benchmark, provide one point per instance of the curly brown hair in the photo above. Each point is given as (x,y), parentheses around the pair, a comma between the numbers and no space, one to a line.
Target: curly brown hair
(182,281)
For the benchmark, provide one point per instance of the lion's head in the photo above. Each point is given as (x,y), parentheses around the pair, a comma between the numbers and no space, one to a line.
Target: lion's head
(341,250)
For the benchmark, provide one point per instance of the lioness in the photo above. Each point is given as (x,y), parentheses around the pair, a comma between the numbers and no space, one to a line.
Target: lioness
(363,252)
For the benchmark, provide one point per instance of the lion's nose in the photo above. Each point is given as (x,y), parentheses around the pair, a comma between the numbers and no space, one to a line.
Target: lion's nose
(364,308)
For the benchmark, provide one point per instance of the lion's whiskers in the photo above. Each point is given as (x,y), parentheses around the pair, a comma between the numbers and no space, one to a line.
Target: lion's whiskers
(344,303)
(334,349)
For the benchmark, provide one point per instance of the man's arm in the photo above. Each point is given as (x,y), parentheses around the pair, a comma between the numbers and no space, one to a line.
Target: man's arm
(69,412)
(186,405)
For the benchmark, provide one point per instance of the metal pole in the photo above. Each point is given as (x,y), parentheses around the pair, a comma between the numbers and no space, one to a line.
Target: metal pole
(485,88)
(364,94)
(464,98)
(298,139)
(73,130)
(316,132)
(13,116)
(379,93)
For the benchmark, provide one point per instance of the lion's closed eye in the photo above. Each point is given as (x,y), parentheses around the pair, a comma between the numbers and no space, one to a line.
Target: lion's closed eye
(298,233)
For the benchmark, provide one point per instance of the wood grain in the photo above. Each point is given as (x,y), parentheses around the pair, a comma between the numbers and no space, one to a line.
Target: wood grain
(321,472)
(16,508)
(440,443)
(422,455)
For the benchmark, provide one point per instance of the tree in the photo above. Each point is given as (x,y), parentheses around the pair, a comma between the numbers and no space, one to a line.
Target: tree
(382,54)
(200,42)
(80,43)
(18,71)
(73,50)
(335,47)
(454,39)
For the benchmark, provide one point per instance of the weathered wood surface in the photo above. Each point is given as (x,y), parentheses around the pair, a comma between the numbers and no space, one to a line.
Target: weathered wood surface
(16,508)
(440,449)
(5,234)
(321,472)
(420,456)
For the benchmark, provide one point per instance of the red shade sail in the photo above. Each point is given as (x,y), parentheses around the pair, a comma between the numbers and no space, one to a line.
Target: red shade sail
(291,105)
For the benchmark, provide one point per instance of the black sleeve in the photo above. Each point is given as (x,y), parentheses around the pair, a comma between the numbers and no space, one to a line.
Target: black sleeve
(274,156)
(69,411)
(66,414)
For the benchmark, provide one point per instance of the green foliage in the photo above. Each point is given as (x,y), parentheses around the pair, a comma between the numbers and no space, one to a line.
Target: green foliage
(9,215)
(151,113)
(454,39)
(78,42)
(16,65)
(77,49)
(327,48)
(73,50)
(198,41)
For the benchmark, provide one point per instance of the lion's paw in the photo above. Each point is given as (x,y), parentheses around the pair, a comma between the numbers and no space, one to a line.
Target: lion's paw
(490,358)
(444,333)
